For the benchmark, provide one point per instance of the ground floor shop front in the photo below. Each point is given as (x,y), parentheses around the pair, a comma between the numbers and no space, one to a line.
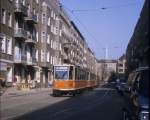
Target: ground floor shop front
(25,77)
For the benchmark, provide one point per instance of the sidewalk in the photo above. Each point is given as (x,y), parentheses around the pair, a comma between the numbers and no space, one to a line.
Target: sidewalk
(13,92)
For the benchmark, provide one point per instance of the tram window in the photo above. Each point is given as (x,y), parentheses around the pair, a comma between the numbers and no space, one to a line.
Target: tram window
(92,76)
(71,72)
(76,74)
(61,73)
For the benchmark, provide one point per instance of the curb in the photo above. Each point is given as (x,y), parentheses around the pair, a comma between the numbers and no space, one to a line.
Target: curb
(24,94)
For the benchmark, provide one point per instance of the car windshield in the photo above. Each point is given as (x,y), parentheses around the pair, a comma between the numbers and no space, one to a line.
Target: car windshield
(144,83)
(61,73)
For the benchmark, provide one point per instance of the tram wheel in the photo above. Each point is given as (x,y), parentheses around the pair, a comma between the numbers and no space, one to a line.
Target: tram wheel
(56,94)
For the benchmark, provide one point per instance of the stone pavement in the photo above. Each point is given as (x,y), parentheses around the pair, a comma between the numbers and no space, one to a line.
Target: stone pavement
(13,92)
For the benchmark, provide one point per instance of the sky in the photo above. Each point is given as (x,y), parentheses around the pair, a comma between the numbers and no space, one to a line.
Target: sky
(105,23)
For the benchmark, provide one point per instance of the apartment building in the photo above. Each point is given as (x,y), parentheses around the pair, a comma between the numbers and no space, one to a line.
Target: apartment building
(72,41)
(65,36)
(6,40)
(35,35)
(121,66)
(49,43)
(106,68)
(137,52)
(25,40)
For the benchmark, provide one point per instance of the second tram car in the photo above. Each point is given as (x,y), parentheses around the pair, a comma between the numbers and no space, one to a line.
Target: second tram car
(71,79)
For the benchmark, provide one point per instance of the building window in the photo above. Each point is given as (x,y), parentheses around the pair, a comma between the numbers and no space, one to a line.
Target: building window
(60,47)
(105,65)
(49,20)
(52,13)
(51,43)
(47,56)
(34,12)
(3,16)
(9,20)
(121,70)
(56,30)
(3,43)
(51,60)
(48,39)
(54,16)
(120,65)
(36,56)
(37,17)
(37,1)
(37,36)
(43,37)
(42,55)
(54,45)
(23,2)
(52,29)
(43,18)
(9,45)
(60,33)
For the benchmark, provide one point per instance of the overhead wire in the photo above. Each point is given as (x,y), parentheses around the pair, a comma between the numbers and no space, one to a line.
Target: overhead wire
(104,8)
(92,10)
(85,28)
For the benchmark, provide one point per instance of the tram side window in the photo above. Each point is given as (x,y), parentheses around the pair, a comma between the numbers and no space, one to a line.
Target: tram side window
(71,72)
(80,74)
(92,76)
(76,74)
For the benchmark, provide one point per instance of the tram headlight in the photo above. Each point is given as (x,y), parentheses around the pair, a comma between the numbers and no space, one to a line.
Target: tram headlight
(144,115)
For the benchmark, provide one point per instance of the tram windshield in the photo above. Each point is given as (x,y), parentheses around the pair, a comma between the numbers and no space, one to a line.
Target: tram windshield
(61,72)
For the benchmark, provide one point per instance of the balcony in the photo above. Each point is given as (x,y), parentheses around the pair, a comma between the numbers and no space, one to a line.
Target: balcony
(20,33)
(31,18)
(31,61)
(65,56)
(31,39)
(20,9)
(45,64)
(20,59)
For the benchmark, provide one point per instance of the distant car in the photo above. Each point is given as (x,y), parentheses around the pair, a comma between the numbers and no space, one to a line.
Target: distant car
(138,89)
(121,85)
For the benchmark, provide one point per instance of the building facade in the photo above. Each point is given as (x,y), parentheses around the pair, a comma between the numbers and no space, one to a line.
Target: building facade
(138,47)
(121,66)
(106,68)
(6,41)
(35,35)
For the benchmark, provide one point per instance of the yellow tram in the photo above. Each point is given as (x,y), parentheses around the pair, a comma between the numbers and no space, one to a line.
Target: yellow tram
(71,79)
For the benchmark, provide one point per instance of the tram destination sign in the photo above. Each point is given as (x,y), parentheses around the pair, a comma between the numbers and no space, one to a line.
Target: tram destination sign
(61,68)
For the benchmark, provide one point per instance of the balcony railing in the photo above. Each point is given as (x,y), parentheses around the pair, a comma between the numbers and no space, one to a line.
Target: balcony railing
(20,33)
(20,9)
(45,64)
(31,61)
(31,18)
(31,39)
(20,58)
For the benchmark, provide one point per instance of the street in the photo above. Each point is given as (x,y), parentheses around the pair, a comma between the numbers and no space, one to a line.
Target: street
(101,103)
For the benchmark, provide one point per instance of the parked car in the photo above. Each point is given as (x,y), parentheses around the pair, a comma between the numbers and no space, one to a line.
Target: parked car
(138,97)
